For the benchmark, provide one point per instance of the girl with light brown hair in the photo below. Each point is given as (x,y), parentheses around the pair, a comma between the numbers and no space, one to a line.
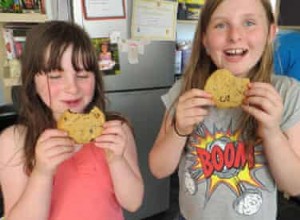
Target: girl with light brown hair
(231,161)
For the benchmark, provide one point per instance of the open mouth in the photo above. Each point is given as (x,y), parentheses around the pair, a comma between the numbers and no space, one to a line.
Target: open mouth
(73,103)
(236,52)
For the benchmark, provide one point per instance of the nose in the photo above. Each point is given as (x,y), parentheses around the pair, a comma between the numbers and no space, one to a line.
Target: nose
(235,34)
(71,85)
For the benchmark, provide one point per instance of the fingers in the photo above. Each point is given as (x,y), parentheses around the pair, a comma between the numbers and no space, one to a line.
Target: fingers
(267,87)
(255,112)
(113,137)
(191,109)
(113,127)
(263,96)
(192,112)
(113,131)
(264,103)
(54,142)
(193,105)
(52,148)
(59,150)
(262,92)
(196,97)
(50,133)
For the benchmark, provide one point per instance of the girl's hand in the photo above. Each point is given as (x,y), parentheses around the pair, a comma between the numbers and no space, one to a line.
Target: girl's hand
(113,139)
(52,148)
(191,109)
(264,103)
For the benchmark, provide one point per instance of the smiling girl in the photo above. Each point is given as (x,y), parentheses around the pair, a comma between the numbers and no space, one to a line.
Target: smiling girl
(232,160)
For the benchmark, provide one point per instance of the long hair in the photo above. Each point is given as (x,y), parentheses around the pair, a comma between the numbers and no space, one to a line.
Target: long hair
(200,65)
(44,48)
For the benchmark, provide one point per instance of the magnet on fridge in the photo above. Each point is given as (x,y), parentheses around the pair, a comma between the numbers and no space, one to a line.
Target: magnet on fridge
(115,37)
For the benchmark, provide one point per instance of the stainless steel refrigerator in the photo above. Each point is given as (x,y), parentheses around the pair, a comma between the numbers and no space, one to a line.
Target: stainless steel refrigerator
(136,93)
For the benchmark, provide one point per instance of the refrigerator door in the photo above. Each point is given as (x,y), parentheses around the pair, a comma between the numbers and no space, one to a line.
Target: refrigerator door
(155,69)
(145,110)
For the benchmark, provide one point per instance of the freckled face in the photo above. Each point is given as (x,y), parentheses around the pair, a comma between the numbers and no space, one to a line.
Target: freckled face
(66,89)
(237,34)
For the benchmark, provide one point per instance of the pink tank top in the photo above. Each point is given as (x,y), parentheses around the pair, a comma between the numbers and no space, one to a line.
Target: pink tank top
(82,188)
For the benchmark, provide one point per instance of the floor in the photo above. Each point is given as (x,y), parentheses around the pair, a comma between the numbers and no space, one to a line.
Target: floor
(287,209)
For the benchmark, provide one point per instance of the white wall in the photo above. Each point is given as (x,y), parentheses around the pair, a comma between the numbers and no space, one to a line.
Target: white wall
(185,31)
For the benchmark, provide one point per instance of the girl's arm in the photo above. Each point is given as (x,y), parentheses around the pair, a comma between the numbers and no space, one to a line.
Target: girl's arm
(282,149)
(167,149)
(166,152)
(283,154)
(21,192)
(118,141)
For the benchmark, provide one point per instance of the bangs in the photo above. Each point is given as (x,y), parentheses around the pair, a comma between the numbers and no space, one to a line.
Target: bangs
(81,58)
(56,41)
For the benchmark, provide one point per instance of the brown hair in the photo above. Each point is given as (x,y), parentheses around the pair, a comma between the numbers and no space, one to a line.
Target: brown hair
(45,46)
(200,65)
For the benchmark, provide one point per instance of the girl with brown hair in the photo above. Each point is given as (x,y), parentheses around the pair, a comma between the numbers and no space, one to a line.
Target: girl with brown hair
(44,174)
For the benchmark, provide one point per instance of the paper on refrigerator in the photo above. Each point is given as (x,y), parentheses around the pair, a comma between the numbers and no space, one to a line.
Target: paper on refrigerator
(154,20)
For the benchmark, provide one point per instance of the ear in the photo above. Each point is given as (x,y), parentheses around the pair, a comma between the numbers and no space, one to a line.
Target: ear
(272,32)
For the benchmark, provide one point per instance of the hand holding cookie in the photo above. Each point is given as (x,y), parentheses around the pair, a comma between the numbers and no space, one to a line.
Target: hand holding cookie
(265,104)
(191,108)
(227,90)
(114,139)
(52,148)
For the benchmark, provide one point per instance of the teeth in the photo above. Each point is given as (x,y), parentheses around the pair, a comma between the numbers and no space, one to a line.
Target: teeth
(235,51)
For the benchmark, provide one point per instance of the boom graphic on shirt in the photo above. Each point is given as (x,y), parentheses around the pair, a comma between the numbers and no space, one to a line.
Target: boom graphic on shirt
(221,158)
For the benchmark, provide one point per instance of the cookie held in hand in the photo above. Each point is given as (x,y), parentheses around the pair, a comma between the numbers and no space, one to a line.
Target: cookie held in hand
(83,128)
(227,90)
